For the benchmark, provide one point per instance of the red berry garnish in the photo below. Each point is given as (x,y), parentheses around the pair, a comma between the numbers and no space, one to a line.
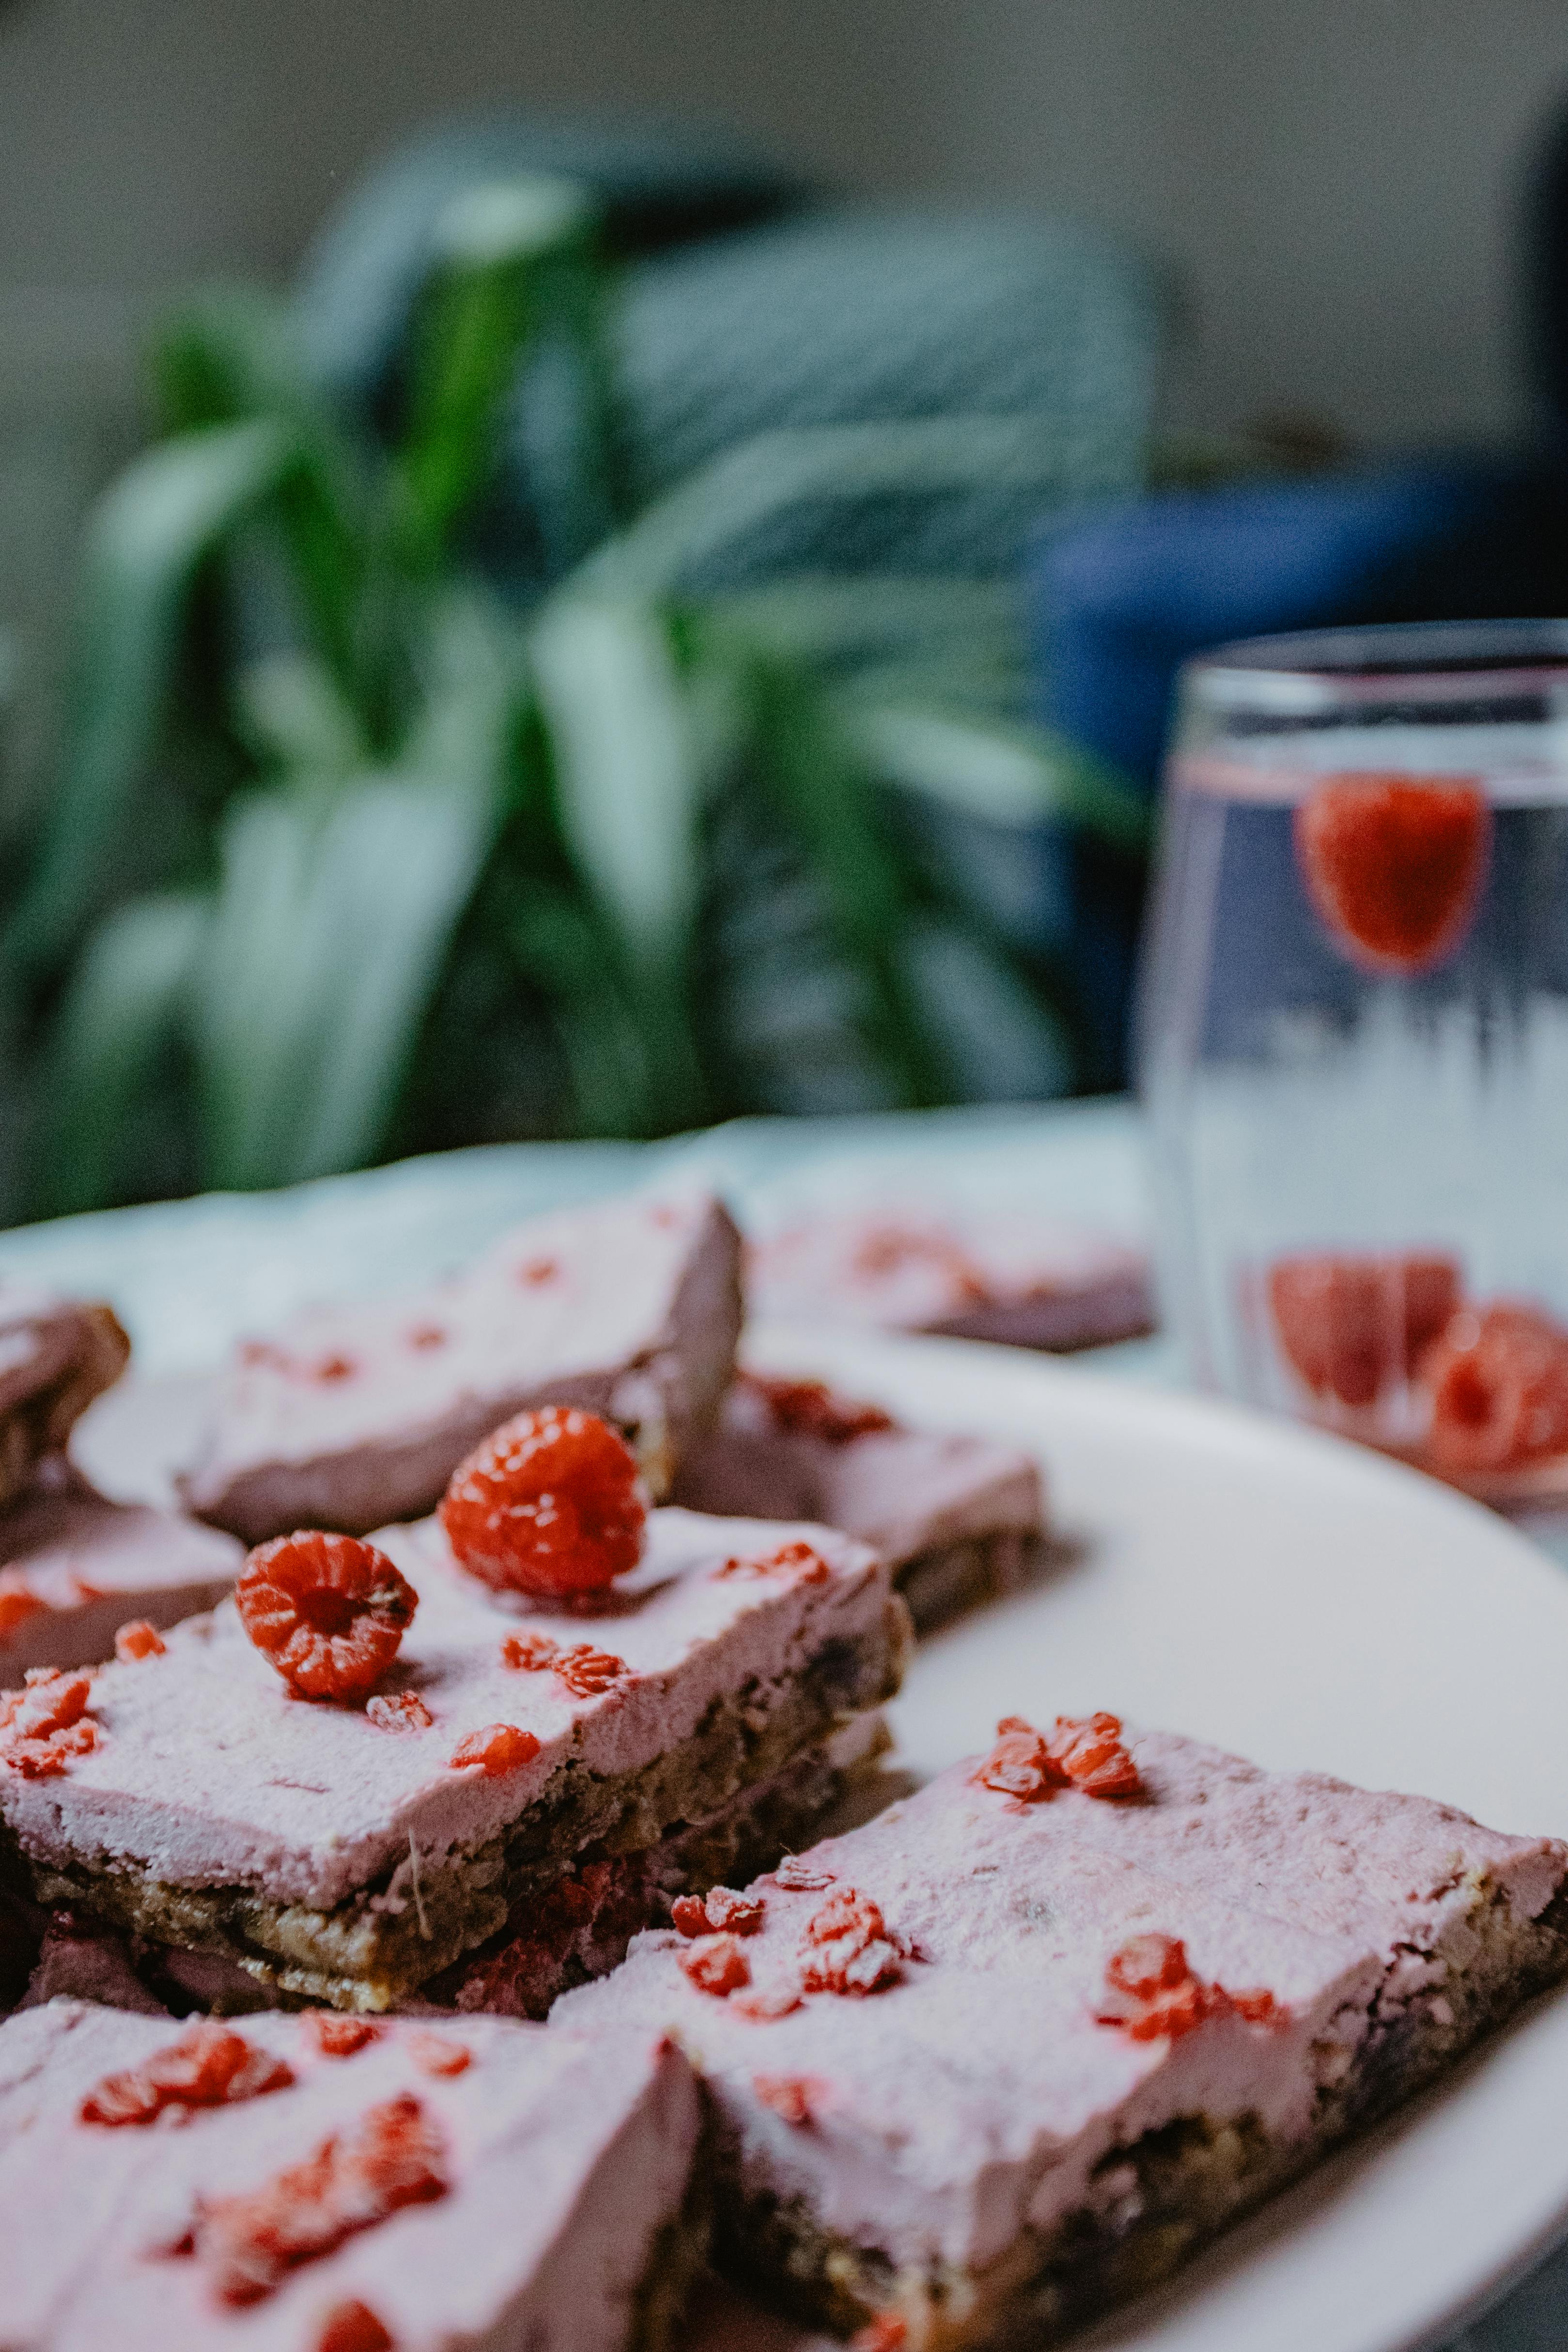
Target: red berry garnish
(797,2098)
(797,1876)
(210,2067)
(848,1948)
(588,1672)
(138,1640)
(1151,1993)
(1393,864)
(797,1563)
(760,2007)
(328,1611)
(1353,1325)
(717,1965)
(336,2036)
(352,2326)
(46,1723)
(1259,2006)
(433,2054)
(811,1409)
(1498,1379)
(251,2243)
(550,1505)
(399,1711)
(498,1748)
(1092,1754)
(721,1911)
(531,1653)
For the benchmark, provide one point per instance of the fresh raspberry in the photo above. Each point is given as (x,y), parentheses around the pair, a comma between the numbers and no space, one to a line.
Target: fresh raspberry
(810,1408)
(46,1723)
(1353,1326)
(531,1653)
(886,2333)
(1498,1379)
(352,2326)
(498,1748)
(210,2067)
(717,1965)
(433,2054)
(1393,864)
(138,1640)
(398,1711)
(588,1672)
(551,1506)
(1092,1754)
(327,1612)
(797,2098)
(795,1875)
(18,1604)
(251,2243)
(722,1910)
(848,1948)
(336,2036)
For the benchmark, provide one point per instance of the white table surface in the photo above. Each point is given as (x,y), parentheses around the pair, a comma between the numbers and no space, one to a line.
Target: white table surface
(1080,1163)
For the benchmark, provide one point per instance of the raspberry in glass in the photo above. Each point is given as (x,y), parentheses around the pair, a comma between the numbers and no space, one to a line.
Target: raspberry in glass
(327,1612)
(1393,864)
(1353,1325)
(1498,1382)
(551,1505)
(498,1748)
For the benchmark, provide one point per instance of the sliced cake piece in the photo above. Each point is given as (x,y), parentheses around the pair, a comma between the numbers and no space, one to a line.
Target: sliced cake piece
(56,1355)
(955,1517)
(1012,2050)
(356,1416)
(509,1767)
(76,1569)
(1007,1274)
(500,2186)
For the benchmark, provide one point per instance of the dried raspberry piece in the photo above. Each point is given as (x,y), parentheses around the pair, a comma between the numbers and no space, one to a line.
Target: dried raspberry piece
(46,1723)
(796,1875)
(1498,1379)
(717,1965)
(810,1408)
(688,1916)
(531,1653)
(760,2007)
(1353,1326)
(1092,1754)
(800,1562)
(847,1947)
(433,2054)
(722,1910)
(1020,1765)
(588,1672)
(251,2242)
(352,2326)
(1393,864)
(210,2067)
(550,1505)
(336,2036)
(327,1612)
(1259,2006)
(1151,1993)
(398,1711)
(498,1748)
(18,1604)
(138,1640)
(797,2098)
(887,2333)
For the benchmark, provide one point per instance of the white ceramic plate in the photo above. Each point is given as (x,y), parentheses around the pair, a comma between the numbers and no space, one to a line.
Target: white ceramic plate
(1304,1604)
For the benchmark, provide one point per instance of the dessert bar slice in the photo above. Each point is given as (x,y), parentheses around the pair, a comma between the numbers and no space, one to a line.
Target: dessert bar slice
(76,1569)
(56,1355)
(357,1416)
(498,2185)
(953,1517)
(1005,1275)
(1008,2054)
(509,1765)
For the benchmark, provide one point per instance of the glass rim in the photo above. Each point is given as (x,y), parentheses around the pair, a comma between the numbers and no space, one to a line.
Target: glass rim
(1306,670)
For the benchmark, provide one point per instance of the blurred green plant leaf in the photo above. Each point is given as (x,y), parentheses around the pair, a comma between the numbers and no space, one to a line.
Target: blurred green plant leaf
(115,1025)
(150,537)
(1005,774)
(292,715)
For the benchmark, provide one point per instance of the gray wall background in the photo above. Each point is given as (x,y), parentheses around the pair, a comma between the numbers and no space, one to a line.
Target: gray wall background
(1335,182)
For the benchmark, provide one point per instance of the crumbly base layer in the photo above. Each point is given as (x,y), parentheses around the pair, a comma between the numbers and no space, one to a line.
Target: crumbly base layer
(1155,2202)
(381,1946)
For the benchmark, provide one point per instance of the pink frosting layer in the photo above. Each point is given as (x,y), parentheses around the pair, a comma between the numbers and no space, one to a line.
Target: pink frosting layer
(354,1416)
(209,1774)
(1002,1275)
(76,1568)
(563,2163)
(979,2094)
(902,1491)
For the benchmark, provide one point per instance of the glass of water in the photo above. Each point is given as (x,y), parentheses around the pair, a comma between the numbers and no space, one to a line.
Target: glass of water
(1354,1041)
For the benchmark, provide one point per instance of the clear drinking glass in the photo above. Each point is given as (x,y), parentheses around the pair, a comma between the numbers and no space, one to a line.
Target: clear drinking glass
(1354,1040)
